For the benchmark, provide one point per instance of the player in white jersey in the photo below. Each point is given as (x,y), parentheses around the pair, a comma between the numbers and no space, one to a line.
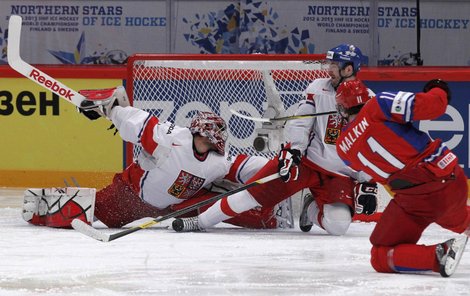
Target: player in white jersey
(308,161)
(175,167)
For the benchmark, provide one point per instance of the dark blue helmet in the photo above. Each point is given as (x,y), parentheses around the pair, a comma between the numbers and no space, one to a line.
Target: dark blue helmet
(346,54)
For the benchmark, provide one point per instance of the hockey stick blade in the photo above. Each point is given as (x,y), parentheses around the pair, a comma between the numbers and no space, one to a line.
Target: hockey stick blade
(94,233)
(32,73)
(87,230)
(285,118)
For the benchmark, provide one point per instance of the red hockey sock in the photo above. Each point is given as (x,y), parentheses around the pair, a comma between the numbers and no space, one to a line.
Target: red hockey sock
(405,258)
(379,259)
(256,219)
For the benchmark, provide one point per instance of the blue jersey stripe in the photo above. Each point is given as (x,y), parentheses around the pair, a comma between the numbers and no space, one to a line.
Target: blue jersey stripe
(385,103)
(417,139)
(386,100)
(410,99)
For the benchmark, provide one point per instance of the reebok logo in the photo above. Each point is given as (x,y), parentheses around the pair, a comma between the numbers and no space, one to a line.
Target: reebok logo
(51,85)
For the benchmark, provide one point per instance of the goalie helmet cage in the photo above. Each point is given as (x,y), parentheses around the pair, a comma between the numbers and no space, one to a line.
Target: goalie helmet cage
(174,87)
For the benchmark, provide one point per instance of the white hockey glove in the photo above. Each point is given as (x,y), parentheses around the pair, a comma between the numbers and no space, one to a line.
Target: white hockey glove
(100,101)
(288,166)
(365,198)
(57,207)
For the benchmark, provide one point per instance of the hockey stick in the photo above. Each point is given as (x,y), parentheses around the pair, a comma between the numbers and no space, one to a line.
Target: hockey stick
(88,230)
(32,73)
(285,118)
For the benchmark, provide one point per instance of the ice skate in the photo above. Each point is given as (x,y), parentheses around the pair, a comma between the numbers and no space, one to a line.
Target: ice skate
(186,225)
(449,259)
(305,222)
(284,214)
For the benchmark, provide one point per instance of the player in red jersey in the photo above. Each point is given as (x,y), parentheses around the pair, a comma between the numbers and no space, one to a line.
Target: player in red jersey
(429,185)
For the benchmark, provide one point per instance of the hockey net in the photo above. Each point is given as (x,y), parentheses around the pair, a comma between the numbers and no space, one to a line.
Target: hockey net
(175,87)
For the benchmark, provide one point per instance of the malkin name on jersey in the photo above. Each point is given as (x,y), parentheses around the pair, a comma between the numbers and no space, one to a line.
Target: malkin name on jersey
(351,136)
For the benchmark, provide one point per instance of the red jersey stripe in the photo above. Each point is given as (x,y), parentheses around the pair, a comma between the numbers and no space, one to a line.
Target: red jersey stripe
(147,141)
(226,209)
(235,168)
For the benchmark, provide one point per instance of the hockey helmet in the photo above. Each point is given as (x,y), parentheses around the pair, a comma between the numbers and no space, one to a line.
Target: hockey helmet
(346,54)
(350,94)
(211,126)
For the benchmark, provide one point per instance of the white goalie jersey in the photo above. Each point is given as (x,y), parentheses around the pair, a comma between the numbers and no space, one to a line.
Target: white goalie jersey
(317,136)
(168,171)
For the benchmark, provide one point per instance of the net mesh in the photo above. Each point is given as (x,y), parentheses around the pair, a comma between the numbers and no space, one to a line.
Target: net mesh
(174,90)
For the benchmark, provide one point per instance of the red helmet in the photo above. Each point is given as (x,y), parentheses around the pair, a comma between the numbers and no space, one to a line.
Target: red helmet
(211,126)
(350,94)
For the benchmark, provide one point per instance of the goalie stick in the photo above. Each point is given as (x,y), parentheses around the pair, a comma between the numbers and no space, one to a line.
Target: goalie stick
(94,233)
(32,73)
(285,118)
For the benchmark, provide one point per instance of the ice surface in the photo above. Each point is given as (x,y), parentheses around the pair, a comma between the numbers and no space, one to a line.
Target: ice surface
(225,261)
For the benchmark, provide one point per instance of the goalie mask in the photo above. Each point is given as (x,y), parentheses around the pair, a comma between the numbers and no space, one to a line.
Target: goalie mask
(211,126)
(350,97)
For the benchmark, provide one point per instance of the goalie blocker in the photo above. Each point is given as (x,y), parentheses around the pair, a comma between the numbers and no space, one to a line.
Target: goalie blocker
(57,207)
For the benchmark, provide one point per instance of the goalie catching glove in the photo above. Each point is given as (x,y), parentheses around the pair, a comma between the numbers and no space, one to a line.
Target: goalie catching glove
(365,198)
(99,102)
(289,160)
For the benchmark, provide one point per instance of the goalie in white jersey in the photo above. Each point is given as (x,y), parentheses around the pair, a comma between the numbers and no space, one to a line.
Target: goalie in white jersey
(174,170)
(308,161)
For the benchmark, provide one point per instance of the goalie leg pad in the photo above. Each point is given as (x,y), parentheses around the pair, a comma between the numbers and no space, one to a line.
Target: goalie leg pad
(66,204)
(57,207)
(34,206)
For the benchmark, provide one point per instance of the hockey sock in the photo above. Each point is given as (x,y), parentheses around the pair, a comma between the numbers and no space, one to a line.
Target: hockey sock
(226,208)
(257,218)
(405,258)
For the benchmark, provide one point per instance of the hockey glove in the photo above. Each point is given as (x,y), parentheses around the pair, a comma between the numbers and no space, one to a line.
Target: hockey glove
(440,84)
(90,114)
(289,159)
(365,198)
(99,102)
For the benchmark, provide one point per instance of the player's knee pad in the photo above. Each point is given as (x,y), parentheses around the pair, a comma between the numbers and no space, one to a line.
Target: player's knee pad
(57,207)
(336,218)
(380,258)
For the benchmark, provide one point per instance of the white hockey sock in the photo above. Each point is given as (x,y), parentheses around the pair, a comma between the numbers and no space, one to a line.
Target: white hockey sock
(227,208)
(313,211)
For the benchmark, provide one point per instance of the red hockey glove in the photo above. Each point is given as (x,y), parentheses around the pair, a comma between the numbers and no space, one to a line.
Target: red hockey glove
(289,159)
(440,84)
(365,198)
